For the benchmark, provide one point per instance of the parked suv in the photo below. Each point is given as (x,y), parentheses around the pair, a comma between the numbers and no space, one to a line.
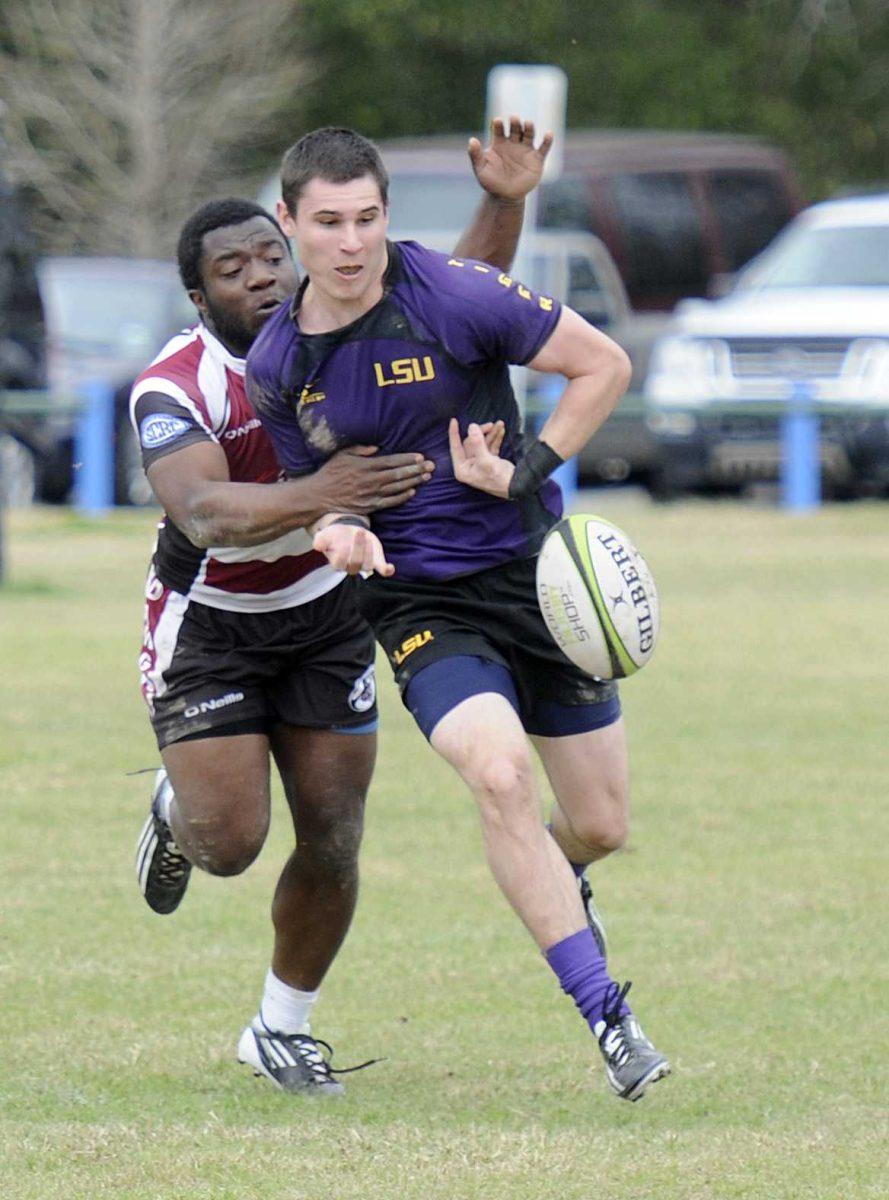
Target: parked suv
(808,320)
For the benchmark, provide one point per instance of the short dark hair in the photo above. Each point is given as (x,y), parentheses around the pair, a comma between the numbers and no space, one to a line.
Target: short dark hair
(337,155)
(214,215)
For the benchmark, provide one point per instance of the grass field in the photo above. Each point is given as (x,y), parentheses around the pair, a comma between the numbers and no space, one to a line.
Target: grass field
(749,910)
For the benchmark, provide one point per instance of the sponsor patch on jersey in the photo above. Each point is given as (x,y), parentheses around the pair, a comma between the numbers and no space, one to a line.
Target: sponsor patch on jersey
(159,429)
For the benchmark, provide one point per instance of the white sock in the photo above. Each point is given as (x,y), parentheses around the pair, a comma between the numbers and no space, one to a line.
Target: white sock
(285,1009)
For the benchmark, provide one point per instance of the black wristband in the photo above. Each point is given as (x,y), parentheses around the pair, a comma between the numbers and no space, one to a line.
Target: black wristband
(536,464)
(361,522)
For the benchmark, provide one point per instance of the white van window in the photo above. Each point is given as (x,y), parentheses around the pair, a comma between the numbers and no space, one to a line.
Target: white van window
(429,201)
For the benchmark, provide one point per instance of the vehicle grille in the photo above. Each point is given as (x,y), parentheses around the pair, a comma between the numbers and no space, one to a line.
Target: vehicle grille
(810,358)
(755,426)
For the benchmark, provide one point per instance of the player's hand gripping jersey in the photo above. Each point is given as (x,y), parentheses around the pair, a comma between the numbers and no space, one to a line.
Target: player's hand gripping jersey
(437,345)
(194,391)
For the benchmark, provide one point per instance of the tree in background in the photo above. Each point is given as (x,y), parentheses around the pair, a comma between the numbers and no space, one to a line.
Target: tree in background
(123,114)
(120,116)
(812,75)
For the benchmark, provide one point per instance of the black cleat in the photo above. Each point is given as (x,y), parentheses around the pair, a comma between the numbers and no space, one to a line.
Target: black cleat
(292,1061)
(593,916)
(161,867)
(631,1061)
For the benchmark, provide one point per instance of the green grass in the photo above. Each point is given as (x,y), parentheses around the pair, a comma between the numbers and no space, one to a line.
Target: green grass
(747,910)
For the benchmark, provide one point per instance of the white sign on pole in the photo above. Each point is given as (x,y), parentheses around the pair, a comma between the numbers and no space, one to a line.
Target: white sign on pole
(538,94)
(535,93)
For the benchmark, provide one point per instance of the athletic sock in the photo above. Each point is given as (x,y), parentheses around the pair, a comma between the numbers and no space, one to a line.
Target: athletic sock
(285,1009)
(583,974)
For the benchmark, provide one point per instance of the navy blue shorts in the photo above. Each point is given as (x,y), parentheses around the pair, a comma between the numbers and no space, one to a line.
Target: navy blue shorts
(478,633)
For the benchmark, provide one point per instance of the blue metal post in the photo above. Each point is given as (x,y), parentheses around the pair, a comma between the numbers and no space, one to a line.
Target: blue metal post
(94,449)
(549,392)
(800,452)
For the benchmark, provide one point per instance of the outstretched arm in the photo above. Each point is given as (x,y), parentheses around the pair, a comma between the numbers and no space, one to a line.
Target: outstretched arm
(194,488)
(508,168)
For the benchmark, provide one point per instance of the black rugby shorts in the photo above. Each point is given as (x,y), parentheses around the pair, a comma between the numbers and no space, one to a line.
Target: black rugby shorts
(228,672)
(491,614)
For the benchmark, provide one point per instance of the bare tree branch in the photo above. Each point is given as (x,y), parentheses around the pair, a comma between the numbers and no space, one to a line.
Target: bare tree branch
(122,116)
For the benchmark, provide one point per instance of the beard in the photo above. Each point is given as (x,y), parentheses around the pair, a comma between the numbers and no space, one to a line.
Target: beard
(231,330)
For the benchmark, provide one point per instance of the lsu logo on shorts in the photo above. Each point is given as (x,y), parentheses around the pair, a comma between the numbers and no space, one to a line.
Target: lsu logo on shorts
(364,691)
(409,645)
(160,428)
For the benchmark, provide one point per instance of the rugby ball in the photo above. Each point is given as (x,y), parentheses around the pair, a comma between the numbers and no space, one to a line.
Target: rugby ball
(597,597)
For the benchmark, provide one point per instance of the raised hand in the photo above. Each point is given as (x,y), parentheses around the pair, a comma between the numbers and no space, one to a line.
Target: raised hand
(510,166)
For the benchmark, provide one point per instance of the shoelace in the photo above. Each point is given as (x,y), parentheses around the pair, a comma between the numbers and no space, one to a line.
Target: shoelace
(173,864)
(307,1049)
(613,1039)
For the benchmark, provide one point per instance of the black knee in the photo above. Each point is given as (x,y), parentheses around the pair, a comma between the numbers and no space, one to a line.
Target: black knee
(329,840)
(227,849)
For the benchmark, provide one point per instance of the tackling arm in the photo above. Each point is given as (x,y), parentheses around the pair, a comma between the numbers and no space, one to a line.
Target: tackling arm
(194,487)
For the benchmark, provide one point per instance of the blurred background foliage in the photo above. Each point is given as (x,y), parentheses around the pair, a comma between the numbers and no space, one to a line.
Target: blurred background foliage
(120,115)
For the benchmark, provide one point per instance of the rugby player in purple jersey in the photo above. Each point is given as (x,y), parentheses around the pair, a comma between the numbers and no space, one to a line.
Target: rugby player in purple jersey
(252,642)
(393,344)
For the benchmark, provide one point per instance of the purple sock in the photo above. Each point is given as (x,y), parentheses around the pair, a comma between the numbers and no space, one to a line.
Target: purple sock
(583,974)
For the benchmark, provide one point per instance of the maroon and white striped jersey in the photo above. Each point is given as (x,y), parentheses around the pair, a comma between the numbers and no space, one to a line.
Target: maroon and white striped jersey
(194,391)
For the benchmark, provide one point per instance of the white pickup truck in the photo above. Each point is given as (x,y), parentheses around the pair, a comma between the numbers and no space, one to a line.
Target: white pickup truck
(806,322)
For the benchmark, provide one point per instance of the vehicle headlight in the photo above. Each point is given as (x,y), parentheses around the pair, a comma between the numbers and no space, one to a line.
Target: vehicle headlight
(680,370)
(668,422)
(866,368)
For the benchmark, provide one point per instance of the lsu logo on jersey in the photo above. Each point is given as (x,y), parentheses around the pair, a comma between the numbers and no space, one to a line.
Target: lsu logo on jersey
(409,645)
(404,370)
(160,428)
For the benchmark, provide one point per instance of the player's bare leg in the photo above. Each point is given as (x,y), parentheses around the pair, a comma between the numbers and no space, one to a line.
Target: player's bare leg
(326,776)
(210,809)
(483,740)
(589,775)
(220,809)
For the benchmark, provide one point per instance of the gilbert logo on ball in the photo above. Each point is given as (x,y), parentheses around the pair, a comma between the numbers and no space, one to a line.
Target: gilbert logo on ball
(597,597)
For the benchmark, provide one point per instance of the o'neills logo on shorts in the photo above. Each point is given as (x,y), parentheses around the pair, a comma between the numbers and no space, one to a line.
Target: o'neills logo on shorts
(209,706)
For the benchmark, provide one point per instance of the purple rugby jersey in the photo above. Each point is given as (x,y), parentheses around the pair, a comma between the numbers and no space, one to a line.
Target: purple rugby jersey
(436,345)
